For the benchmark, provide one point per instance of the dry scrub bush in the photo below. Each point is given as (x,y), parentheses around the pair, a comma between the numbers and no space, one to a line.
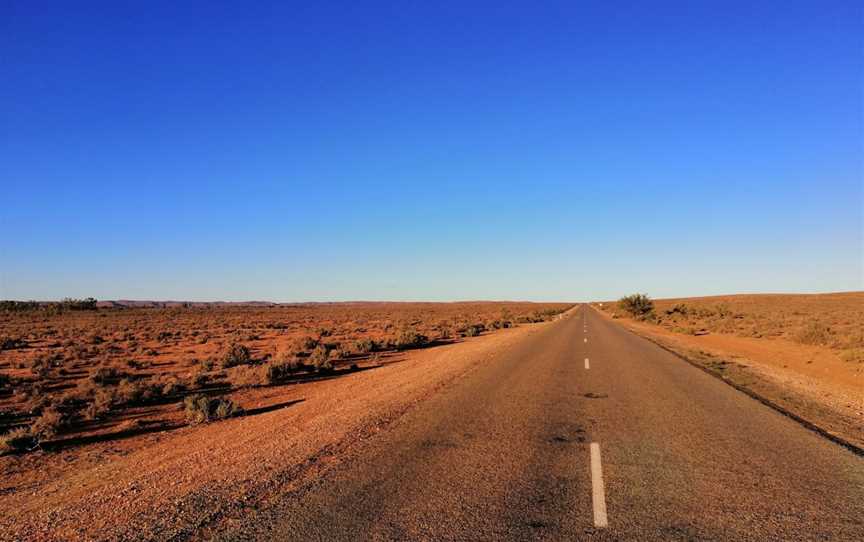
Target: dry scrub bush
(235,354)
(637,305)
(171,386)
(364,346)
(100,405)
(200,408)
(249,376)
(815,333)
(305,344)
(134,392)
(409,338)
(341,351)
(100,400)
(48,423)
(499,324)
(320,359)
(473,330)
(281,370)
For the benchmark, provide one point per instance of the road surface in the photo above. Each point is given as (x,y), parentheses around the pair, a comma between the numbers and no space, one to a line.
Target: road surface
(584,431)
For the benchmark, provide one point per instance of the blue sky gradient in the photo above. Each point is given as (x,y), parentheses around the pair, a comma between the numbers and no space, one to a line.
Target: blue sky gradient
(437,151)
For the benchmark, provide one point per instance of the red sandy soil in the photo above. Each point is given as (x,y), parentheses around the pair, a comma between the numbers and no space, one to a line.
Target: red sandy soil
(139,471)
(174,483)
(57,356)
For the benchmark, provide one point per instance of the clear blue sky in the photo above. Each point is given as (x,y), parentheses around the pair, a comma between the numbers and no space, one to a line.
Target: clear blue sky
(425,150)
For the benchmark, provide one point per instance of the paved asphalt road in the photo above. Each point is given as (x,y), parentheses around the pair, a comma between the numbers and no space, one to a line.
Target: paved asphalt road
(506,454)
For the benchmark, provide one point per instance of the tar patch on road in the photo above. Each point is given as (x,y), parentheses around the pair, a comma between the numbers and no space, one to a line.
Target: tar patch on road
(576,434)
(592,395)
(535,524)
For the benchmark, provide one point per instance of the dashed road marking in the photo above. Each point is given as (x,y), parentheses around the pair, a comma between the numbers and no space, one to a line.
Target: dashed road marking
(586,339)
(598,489)
(586,364)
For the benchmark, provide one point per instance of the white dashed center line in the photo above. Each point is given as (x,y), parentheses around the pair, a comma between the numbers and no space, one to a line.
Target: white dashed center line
(598,489)
(586,364)
(586,339)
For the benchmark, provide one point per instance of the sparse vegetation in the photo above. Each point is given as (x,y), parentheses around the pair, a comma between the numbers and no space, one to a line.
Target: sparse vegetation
(65,365)
(473,330)
(308,343)
(815,333)
(500,324)
(281,370)
(320,359)
(364,346)
(200,408)
(51,307)
(48,423)
(409,338)
(235,354)
(828,320)
(638,306)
